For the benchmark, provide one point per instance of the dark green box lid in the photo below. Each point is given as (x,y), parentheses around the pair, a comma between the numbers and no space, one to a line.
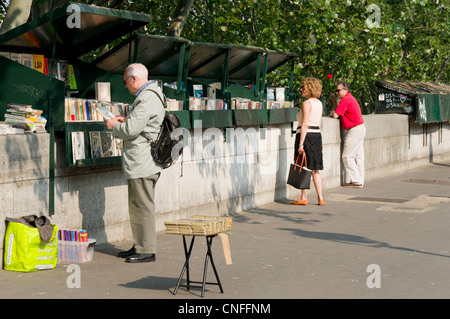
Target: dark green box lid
(98,26)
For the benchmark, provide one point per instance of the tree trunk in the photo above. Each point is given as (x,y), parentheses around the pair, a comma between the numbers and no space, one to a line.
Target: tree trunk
(444,66)
(180,17)
(17,14)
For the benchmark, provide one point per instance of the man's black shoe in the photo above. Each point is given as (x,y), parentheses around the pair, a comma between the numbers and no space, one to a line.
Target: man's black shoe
(128,253)
(141,258)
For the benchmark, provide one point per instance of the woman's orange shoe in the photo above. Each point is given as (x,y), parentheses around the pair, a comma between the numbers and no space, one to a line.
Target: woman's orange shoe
(300,202)
(321,202)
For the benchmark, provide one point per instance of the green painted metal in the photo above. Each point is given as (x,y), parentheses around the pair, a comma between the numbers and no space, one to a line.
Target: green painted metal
(187,57)
(257,76)
(432,108)
(225,82)
(444,106)
(264,72)
(291,114)
(136,50)
(162,55)
(167,58)
(185,118)
(244,92)
(178,59)
(429,102)
(87,75)
(52,36)
(180,78)
(51,178)
(282,115)
(22,85)
(98,26)
(251,117)
(86,127)
(219,118)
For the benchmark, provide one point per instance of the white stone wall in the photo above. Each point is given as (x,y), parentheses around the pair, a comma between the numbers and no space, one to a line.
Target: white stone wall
(214,177)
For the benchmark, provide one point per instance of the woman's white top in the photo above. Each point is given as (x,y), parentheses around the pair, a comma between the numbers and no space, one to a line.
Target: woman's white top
(315,118)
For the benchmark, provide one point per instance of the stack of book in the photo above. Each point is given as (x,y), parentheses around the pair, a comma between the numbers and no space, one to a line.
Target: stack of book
(279,104)
(73,235)
(7,129)
(245,104)
(59,69)
(75,246)
(25,117)
(77,109)
(199,225)
(276,98)
(174,105)
(206,104)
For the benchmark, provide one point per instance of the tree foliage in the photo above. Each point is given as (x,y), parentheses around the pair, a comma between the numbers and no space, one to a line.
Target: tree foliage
(359,41)
(356,40)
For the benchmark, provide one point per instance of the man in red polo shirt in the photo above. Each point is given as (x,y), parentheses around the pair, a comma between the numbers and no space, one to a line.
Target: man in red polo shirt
(352,121)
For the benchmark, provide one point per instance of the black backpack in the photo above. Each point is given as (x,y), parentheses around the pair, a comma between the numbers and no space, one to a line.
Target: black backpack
(162,149)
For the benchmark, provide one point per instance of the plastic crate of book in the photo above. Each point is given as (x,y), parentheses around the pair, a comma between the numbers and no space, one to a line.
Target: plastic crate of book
(76,251)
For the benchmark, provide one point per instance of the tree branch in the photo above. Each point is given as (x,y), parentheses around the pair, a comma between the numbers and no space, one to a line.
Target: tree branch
(180,17)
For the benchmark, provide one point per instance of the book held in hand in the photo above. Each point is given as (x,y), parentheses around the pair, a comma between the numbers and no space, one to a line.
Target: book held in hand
(105,112)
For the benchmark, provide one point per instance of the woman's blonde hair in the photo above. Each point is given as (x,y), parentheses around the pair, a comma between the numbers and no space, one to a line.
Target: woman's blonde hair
(313,85)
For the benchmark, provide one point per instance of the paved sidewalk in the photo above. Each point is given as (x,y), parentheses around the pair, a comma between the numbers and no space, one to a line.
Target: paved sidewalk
(399,223)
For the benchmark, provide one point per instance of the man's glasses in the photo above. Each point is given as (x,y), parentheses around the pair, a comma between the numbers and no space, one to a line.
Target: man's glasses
(125,81)
(339,90)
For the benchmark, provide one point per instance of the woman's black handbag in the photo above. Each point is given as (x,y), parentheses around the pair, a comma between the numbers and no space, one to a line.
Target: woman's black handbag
(300,176)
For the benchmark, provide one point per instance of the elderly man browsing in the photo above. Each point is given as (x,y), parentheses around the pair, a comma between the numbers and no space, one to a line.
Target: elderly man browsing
(141,171)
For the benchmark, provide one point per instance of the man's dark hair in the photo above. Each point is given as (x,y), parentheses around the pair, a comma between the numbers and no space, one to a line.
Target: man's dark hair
(345,84)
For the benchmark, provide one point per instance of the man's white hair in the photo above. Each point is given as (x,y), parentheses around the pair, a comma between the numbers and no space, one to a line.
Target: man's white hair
(137,69)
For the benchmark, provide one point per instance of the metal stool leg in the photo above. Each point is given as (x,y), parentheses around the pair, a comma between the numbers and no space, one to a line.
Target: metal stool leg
(205,270)
(187,254)
(209,253)
(208,257)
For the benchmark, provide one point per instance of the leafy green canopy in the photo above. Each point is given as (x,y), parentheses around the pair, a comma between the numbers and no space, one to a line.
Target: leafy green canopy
(359,41)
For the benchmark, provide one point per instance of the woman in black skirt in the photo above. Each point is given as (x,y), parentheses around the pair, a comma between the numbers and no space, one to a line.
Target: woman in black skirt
(309,138)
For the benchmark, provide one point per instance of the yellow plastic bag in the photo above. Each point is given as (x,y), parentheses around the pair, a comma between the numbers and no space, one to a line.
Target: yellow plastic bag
(26,251)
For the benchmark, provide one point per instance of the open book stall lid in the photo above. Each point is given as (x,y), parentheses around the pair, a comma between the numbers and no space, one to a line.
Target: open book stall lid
(414,87)
(97,26)
(161,55)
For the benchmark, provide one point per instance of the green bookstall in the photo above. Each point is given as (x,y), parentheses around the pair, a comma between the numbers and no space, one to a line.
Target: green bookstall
(228,76)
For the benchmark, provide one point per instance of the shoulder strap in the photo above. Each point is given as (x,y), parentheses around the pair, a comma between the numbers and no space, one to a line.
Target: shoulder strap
(164,103)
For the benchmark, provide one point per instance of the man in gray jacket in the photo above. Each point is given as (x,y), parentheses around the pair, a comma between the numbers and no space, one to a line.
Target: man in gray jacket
(141,171)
